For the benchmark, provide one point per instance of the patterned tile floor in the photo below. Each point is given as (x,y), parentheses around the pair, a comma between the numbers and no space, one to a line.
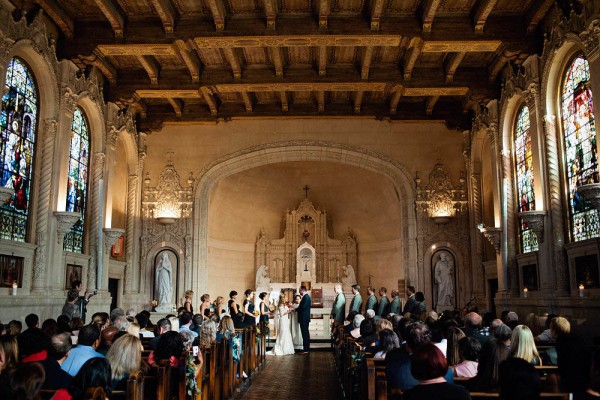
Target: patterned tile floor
(296,377)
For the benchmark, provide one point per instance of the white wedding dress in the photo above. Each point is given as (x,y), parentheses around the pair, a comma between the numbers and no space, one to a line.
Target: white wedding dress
(284,344)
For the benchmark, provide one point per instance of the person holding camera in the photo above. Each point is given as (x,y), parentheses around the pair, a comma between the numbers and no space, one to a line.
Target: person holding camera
(75,305)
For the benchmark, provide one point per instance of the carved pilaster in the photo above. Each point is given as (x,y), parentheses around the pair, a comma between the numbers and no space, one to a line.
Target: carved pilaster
(39,266)
(530,97)
(478,247)
(68,101)
(556,208)
(112,134)
(132,189)
(98,173)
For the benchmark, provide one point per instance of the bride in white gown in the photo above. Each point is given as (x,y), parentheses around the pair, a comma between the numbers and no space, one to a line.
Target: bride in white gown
(284,344)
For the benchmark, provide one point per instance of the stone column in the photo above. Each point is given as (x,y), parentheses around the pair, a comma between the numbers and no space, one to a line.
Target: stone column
(477,242)
(43,211)
(98,174)
(132,189)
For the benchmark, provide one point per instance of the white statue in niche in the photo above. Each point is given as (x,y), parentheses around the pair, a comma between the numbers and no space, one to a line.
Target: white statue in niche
(444,270)
(164,271)
(349,278)
(262,277)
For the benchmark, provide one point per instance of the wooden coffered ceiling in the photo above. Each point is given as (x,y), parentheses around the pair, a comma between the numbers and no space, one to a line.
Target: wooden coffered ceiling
(202,60)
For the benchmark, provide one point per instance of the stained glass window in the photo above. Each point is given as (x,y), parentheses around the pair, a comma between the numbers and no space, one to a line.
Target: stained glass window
(580,146)
(524,172)
(18,123)
(77,183)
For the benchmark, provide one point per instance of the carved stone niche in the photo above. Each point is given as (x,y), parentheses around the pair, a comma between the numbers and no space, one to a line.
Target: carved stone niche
(440,200)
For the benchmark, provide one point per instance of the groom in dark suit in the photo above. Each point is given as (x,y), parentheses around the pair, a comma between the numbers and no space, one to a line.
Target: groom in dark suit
(303,311)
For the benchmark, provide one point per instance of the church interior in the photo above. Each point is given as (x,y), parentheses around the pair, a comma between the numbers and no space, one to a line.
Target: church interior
(222,135)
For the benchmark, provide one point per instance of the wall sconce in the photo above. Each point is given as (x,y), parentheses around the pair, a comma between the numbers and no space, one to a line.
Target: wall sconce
(66,220)
(535,221)
(5,194)
(168,201)
(591,192)
(439,199)
(491,234)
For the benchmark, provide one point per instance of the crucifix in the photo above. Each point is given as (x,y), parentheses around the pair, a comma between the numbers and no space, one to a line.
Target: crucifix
(306,189)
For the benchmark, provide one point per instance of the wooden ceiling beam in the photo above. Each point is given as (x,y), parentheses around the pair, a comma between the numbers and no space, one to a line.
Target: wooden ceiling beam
(177,105)
(270,7)
(430,104)
(210,100)
(321,100)
(322,60)
(247,101)
(376,12)
(358,98)
(482,13)
(234,61)
(324,11)
(284,101)
(98,60)
(452,62)
(367,57)
(59,16)
(429,9)
(217,8)
(497,66)
(167,13)
(113,15)
(537,12)
(277,59)
(190,59)
(396,95)
(413,54)
(151,66)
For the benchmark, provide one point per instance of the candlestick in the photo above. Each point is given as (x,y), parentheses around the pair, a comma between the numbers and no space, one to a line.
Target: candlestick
(581,287)
(14,288)
(525,292)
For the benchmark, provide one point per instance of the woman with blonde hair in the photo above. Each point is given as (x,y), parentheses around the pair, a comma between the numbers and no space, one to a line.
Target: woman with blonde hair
(226,328)
(134,329)
(208,333)
(9,353)
(383,324)
(523,345)
(125,358)
(453,335)
(187,303)
(204,308)
(220,306)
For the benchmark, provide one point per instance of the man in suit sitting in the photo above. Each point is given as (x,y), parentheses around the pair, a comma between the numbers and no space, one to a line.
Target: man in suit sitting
(356,303)
(303,311)
(372,300)
(338,310)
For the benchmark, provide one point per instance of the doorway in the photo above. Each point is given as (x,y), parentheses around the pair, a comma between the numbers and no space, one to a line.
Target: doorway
(113,289)
(492,290)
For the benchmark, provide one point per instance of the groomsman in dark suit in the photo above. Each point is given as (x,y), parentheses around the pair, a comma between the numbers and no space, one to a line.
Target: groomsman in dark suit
(384,304)
(396,304)
(411,305)
(338,310)
(356,303)
(303,311)
(372,300)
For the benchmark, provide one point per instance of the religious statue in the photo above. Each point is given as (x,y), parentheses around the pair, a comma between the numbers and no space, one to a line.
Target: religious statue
(349,278)
(444,269)
(262,277)
(163,280)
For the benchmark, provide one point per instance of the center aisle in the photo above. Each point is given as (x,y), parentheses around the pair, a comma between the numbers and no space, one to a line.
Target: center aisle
(294,377)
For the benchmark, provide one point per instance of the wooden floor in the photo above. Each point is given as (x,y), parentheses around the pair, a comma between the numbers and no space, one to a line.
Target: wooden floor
(294,377)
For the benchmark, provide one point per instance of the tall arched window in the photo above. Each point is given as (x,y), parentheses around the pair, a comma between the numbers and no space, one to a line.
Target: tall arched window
(580,146)
(524,172)
(77,184)
(18,123)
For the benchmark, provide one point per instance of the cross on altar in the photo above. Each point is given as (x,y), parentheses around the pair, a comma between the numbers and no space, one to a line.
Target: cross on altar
(306,189)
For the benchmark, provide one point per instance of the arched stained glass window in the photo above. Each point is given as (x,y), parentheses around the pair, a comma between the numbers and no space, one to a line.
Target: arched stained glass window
(524,171)
(18,123)
(580,146)
(77,184)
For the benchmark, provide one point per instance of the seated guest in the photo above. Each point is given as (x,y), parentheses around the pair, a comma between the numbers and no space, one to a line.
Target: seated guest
(60,347)
(533,323)
(107,338)
(592,391)
(89,339)
(197,321)
(208,333)
(453,335)
(398,361)
(62,324)
(383,324)
(49,327)
(472,324)
(163,325)
(15,327)
(185,321)
(512,319)
(125,358)
(518,380)
(142,321)
(468,350)
(559,326)
(9,353)
(95,372)
(32,340)
(546,335)
(486,380)
(101,320)
(388,341)
(355,332)
(348,325)
(368,337)
(24,382)
(574,360)
(76,324)
(522,345)
(169,347)
(428,366)
(134,329)
(226,328)
(503,334)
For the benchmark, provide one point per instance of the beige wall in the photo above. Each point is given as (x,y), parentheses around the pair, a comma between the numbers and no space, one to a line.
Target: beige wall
(241,204)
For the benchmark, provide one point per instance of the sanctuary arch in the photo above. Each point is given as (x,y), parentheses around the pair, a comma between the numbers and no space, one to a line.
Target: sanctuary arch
(303,151)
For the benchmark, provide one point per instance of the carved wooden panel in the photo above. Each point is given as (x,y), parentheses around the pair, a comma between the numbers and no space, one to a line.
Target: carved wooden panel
(212,57)
(255,55)
(449,7)
(345,55)
(191,7)
(81,8)
(136,8)
(403,7)
(244,7)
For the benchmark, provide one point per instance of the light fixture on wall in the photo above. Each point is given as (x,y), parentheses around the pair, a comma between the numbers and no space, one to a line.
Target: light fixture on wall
(591,193)
(168,201)
(440,200)
(491,234)
(5,194)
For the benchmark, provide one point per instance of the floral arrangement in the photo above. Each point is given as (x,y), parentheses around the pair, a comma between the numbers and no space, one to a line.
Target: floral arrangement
(153,304)
(256,312)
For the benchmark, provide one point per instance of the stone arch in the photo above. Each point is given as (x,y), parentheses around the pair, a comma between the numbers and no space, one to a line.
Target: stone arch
(302,151)
(554,68)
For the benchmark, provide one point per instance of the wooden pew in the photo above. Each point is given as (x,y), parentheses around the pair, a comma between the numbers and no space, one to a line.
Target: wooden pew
(376,381)
(206,378)
(548,396)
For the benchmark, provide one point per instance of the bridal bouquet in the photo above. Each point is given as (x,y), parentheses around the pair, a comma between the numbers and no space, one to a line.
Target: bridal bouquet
(256,312)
